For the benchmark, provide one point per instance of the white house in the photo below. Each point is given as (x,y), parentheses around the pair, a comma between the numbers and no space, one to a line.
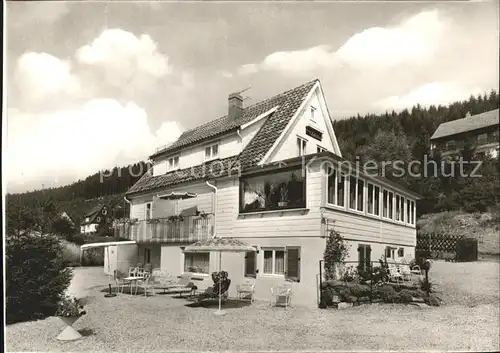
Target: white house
(93,218)
(271,174)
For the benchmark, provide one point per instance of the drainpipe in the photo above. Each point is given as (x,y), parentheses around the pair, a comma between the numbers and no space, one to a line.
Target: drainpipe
(215,206)
(241,140)
(130,203)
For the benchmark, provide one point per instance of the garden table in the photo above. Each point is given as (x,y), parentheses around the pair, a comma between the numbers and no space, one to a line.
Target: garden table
(133,280)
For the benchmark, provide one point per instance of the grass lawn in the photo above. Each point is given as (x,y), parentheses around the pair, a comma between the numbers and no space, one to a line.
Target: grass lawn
(468,321)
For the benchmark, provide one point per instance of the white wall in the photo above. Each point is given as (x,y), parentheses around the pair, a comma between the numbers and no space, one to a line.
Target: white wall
(287,148)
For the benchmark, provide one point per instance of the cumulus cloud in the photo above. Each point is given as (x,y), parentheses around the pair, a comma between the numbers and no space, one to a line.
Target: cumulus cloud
(413,41)
(41,75)
(123,58)
(75,143)
(433,93)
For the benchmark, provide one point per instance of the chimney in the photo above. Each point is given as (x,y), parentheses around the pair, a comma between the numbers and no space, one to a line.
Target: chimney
(235,106)
(468,115)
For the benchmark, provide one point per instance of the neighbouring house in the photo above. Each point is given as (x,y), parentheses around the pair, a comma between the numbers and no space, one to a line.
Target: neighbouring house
(479,132)
(64,215)
(272,175)
(92,219)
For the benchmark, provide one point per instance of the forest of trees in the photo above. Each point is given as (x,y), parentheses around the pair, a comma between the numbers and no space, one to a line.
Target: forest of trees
(387,137)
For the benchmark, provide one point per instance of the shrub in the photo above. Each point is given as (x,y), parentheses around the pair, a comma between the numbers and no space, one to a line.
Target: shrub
(36,277)
(336,250)
(432,300)
(385,292)
(405,296)
(359,290)
(69,306)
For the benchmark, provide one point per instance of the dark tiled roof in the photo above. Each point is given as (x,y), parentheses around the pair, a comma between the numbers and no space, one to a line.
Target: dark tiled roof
(288,103)
(474,122)
(208,170)
(223,125)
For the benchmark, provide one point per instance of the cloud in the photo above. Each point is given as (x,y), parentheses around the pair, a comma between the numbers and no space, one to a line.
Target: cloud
(124,58)
(41,75)
(413,41)
(75,143)
(434,93)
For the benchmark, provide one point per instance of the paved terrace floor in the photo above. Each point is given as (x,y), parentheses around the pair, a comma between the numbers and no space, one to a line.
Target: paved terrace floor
(468,321)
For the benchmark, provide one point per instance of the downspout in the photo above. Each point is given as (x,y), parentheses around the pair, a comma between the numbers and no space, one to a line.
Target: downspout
(215,207)
(241,139)
(128,228)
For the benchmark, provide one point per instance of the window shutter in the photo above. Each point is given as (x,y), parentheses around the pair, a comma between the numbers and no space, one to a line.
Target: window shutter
(250,264)
(361,256)
(292,263)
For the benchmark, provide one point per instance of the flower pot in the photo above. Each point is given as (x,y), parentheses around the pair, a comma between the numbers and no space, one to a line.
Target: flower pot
(69,333)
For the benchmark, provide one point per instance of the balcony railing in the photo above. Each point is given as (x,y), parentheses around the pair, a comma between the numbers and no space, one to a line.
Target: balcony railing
(175,229)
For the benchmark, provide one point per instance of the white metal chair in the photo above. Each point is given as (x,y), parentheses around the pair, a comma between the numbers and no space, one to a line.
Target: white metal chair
(405,272)
(119,281)
(146,284)
(281,294)
(247,288)
(394,274)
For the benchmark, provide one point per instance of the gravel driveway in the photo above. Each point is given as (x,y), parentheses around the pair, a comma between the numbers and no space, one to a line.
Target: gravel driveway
(164,323)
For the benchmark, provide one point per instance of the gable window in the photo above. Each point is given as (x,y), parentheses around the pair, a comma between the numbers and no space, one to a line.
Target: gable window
(373,199)
(387,204)
(482,138)
(301,146)
(356,193)
(364,257)
(212,151)
(274,262)
(251,264)
(451,145)
(197,262)
(172,163)
(320,149)
(312,113)
(336,187)
(283,190)
(149,210)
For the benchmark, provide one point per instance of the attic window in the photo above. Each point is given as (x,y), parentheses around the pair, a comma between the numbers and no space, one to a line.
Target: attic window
(311,116)
(172,163)
(211,151)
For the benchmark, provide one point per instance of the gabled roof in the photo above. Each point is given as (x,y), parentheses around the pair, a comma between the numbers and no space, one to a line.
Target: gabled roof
(287,103)
(223,125)
(92,214)
(470,123)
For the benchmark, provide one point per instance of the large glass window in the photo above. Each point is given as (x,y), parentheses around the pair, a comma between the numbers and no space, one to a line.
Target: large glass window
(336,187)
(356,193)
(281,190)
(301,146)
(387,201)
(197,262)
(373,199)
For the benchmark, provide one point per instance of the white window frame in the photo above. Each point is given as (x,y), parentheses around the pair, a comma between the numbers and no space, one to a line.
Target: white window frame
(390,215)
(320,149)
(312,110)
(283,249)
(356,193)
(336,183)
(393,252)
(183,263)
(411,205)
(301,145)
(150,210)
(374,193)
(212,156)
(171,165)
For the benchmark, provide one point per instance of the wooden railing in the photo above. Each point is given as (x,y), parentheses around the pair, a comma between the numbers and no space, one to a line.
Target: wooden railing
(187,229)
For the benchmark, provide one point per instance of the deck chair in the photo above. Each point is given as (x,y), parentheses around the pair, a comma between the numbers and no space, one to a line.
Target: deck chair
(183,285)
(281,295)
(146,284)
(214,292)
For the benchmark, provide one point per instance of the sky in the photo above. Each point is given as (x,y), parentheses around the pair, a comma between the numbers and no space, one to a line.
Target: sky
(92,85)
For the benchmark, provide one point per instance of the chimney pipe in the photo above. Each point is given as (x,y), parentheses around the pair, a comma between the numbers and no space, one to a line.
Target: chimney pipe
(235,106)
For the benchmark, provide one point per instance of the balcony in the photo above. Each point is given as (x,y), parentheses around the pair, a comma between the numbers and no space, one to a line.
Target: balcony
(175,229)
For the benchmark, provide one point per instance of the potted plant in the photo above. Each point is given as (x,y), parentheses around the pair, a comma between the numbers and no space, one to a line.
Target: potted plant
(69,309)
(284,196)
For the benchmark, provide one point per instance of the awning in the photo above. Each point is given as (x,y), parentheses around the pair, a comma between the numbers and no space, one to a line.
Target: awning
(109,243)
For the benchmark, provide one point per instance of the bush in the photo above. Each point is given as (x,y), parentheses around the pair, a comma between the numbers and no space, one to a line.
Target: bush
(385,292)
(36,277)
(405,296)
(432,300)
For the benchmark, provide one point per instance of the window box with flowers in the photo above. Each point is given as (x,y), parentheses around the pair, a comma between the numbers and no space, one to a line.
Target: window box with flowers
(153,221)
(175,218)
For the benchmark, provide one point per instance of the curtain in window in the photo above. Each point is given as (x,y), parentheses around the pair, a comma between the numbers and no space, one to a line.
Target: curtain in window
(268,261)
(279,263)
(197,262)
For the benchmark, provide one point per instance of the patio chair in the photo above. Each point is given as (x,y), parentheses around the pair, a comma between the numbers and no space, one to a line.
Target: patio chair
(405,272)
(146,284)
(246,289)
(394,274)
(281,294)
(119,281)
